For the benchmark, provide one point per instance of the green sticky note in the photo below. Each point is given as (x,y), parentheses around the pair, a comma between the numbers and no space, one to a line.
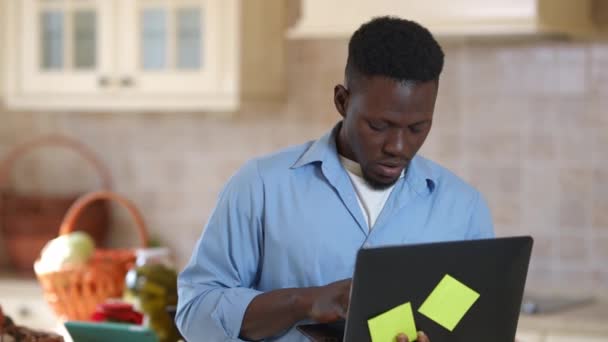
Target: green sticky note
(399,320)
(449,302)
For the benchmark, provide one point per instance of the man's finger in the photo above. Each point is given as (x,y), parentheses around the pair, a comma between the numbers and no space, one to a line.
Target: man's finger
(422,337)
(402,338)
(340,310)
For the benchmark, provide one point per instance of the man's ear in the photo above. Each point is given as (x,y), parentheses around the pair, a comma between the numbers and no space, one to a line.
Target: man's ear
(341,97)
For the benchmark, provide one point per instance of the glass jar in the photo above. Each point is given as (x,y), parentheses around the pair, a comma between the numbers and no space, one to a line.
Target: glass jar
(151,286)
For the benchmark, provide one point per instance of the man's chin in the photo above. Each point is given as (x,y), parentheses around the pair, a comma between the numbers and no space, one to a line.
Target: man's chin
(379,184)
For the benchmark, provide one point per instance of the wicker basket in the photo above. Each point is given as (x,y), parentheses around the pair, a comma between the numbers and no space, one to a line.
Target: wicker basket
(27,222)
(73,293)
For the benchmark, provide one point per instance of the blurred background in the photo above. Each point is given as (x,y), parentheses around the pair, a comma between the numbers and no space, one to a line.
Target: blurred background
(172,96)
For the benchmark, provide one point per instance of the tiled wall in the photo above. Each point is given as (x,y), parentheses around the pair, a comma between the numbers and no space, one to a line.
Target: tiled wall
(525,122)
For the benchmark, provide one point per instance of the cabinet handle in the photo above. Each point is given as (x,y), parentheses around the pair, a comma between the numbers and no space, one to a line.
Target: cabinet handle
(103,81)
(127,81)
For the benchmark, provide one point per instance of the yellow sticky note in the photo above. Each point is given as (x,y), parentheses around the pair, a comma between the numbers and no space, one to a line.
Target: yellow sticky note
(449,302)
(385,327)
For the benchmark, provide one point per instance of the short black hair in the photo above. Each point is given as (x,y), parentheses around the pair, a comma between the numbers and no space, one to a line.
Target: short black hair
(400,49)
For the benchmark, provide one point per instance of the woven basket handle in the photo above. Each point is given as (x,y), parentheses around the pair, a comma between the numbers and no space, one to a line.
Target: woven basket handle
(69,221)
(6,165)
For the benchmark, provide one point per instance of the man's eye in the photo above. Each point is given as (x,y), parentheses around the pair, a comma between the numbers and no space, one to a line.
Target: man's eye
(417,128)
(376,126)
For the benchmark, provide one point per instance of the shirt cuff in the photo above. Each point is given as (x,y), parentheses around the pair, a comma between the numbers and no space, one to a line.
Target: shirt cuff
(230,309)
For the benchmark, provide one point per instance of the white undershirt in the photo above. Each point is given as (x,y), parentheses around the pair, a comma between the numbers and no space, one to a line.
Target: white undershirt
(370,200)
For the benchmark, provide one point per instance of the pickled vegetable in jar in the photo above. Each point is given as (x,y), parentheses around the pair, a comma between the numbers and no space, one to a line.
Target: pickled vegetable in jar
(152,287)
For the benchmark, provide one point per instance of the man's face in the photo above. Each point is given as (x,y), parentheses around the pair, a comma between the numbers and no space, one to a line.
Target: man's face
(385,124)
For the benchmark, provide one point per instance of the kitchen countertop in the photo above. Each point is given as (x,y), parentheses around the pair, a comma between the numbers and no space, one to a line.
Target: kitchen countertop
(589,319)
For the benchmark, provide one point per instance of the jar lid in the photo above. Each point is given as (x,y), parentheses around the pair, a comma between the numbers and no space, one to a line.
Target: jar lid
(155,254)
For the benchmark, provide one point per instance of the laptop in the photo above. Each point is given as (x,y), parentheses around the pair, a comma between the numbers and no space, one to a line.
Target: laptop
(386,277)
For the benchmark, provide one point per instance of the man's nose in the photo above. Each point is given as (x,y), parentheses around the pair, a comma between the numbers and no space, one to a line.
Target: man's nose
(395,143)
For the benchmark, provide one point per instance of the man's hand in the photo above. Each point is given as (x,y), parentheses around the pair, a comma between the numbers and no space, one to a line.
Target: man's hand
(330,302)
(421,337)
(273,312)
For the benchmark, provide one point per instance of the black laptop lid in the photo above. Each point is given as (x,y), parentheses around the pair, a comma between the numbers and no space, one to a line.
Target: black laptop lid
(389,276)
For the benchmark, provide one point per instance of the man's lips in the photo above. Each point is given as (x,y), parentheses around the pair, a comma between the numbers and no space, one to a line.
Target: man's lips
(388,170)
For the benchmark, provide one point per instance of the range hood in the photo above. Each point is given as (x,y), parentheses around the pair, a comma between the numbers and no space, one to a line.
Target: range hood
(448,18)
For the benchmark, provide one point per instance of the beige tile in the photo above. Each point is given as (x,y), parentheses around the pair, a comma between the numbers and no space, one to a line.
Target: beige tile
(596,114)
(574,249)
(448,114)
(540,146)
(573,213)
(540,196)
(540,276)
(576,147)
(599,68)
(600,215)
(496,180)
(600,146)
(450,146)
(574,130)
(505,69)
(600,199)
(599,247)
(541,116)
(576,278)
(599,275)
(573,114)
(430,148)
(575,197)
(575,182)
(18,127)
(502,147)
(493,113)
(505,208)
(536,75)
(571,69)
(505,230)
(545,248)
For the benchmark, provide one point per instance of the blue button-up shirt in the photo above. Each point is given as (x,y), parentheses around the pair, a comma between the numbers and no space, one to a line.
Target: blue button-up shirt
(292,219)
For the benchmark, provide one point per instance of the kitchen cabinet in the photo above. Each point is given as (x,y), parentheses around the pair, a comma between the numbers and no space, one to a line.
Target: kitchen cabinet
(122,54)
(448,18)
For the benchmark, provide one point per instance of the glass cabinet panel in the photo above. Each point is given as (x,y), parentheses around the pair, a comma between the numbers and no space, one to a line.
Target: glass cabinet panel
(68,35)
(170,36)
(51,39)
(154,38)
(189,32)
(85,39)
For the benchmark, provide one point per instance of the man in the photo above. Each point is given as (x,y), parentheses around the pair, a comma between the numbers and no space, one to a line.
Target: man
(280,246)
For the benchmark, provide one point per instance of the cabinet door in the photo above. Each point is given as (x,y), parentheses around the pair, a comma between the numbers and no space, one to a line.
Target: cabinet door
(183,50)
(66,46)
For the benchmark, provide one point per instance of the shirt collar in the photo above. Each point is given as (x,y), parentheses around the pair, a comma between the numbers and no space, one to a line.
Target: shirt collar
(324,150)
(318,151)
